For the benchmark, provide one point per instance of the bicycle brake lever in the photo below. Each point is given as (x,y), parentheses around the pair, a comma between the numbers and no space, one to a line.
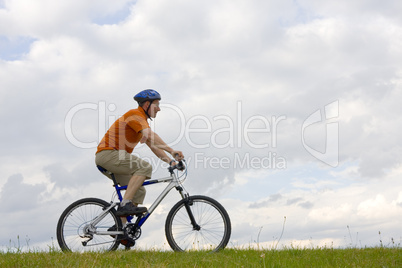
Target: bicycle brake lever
(180,165)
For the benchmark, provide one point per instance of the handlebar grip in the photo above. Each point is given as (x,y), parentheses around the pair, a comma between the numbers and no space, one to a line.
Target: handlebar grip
(175,156)
(179,166)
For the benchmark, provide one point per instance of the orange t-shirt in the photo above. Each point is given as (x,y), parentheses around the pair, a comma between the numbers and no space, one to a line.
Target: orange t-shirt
(125,133)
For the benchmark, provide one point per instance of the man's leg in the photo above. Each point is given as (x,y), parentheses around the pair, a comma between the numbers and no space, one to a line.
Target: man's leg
(141,170)
(138,198)
(134,184)
(127,207)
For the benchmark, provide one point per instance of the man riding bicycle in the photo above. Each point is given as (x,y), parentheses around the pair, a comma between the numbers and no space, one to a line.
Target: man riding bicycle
(114,151)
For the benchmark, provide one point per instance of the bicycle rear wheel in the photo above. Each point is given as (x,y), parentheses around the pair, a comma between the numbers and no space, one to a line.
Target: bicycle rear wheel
(74,232)
(211,217)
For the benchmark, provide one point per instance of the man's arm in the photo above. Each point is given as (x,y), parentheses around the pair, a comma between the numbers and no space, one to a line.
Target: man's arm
(158,146)
(159,153)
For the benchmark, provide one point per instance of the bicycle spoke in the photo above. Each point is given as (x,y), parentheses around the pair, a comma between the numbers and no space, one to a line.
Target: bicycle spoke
(74,230)
(214,226)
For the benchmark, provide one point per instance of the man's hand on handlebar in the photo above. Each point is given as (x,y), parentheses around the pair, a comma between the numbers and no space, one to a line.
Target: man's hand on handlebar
(179,165)
(178,155)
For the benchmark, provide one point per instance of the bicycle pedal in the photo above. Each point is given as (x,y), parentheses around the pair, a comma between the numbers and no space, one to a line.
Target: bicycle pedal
(128,247)
(127,243)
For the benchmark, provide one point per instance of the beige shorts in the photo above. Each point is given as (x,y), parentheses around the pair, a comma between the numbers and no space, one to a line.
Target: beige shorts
(124,166)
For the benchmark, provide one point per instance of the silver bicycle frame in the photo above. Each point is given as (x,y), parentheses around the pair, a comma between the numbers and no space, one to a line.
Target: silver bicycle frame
(173,182)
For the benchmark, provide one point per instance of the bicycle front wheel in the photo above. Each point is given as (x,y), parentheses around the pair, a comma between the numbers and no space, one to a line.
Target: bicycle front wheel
(75,231)
(212,230)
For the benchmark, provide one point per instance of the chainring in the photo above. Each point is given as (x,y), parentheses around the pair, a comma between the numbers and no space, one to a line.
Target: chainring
(132,232)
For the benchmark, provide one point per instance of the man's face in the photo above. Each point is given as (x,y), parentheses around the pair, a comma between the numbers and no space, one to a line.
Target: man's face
(154,109)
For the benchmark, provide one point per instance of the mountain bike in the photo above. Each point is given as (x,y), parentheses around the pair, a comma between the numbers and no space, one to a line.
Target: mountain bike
(194,223)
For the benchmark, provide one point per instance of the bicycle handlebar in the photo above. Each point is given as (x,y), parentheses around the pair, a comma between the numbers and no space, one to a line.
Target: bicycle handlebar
(179,166)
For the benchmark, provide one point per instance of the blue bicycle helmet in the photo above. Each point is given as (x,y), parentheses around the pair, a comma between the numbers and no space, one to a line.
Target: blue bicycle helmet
(147,95)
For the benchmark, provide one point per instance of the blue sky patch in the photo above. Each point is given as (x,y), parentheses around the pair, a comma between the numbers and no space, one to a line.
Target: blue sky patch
(115,18)
(14,48)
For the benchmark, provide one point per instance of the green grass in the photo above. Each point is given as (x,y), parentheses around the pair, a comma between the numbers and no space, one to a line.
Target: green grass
(319,257)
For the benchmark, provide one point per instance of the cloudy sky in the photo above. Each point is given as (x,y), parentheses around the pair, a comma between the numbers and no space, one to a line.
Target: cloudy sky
(288,112)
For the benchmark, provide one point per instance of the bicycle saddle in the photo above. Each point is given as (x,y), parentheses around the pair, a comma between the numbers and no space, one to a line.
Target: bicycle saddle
(102,169)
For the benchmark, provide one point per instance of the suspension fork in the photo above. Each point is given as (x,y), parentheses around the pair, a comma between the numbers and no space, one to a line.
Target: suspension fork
(187,204)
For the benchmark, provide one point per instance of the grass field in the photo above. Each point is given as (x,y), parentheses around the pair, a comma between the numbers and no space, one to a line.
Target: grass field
(319,257)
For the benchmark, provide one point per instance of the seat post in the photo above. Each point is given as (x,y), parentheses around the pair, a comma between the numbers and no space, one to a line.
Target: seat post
(113,179)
